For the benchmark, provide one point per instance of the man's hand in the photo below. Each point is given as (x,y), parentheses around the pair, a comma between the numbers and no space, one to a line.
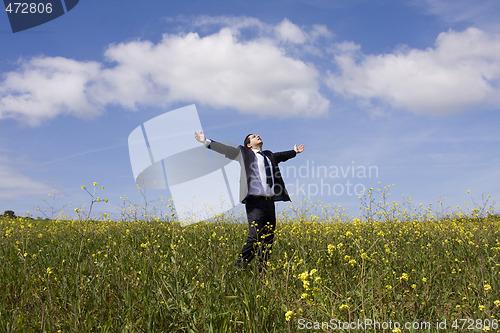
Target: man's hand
(298,149)
(200,137)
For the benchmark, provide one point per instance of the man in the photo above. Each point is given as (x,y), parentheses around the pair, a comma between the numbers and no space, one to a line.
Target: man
(261,185)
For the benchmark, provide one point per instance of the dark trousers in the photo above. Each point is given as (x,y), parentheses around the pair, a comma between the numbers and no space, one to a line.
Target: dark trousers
(261,216)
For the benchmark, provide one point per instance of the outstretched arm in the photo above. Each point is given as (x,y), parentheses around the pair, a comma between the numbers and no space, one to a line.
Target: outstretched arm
(200,137)
(227,150)
(286,155)
(298,149)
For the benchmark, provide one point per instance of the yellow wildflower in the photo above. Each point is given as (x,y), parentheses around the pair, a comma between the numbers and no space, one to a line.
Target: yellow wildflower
(288,315)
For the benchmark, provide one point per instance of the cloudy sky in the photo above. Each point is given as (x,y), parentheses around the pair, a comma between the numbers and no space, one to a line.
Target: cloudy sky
(396,92)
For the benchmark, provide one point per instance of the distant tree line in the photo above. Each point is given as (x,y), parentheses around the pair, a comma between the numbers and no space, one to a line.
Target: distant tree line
(9,214)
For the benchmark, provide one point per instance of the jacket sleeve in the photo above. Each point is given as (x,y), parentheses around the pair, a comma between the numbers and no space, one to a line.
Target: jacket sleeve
(226,150)
(284,155)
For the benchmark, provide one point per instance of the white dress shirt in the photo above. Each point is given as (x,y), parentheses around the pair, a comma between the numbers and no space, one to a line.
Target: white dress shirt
(258,184)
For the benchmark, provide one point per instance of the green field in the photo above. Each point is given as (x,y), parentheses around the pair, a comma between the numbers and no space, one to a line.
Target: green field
(155,276)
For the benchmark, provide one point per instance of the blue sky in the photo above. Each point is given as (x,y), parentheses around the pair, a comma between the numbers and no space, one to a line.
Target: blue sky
(410,89)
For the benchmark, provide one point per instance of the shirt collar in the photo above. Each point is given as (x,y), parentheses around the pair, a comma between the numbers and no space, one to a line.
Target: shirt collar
(256,150)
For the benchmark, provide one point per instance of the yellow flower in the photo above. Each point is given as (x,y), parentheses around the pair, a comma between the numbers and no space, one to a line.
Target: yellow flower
(343,307)
(497,303)
(424,279)
(306,285)
(487,287)
(303,276)
(404,276)
(288,315)
(304,296)
(396,330)
(49,271)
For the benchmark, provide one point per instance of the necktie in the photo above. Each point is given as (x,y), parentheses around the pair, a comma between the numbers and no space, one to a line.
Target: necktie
(269,178)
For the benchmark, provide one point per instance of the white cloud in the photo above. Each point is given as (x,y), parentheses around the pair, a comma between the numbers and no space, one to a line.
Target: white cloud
(219,70)
(235,23)
(47,86)
(14,184)
(461,72)
(480,13)
(289,32)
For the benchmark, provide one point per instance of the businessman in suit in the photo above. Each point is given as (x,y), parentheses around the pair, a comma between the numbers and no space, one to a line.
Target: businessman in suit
(261,185)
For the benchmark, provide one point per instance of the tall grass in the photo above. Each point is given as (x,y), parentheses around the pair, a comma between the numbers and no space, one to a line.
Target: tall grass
(155,276)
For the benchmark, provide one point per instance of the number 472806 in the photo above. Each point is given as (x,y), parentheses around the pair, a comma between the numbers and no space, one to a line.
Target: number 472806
(478,324)
(28,8)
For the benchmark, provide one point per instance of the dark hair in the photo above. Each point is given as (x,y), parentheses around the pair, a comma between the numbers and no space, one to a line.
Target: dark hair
(247,140)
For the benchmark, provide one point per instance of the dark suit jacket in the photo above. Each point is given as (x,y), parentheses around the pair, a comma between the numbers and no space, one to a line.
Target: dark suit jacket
(245,156)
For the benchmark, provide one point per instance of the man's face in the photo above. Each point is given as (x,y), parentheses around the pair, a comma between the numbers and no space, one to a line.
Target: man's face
(255,141)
